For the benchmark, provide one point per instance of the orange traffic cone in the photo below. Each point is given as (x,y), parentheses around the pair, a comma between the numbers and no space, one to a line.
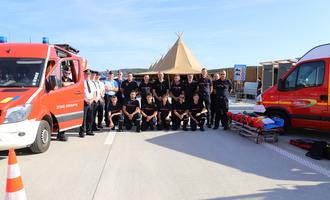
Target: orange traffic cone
(14,187)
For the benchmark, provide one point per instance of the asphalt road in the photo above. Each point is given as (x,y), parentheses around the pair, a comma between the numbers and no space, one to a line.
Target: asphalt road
(214,164)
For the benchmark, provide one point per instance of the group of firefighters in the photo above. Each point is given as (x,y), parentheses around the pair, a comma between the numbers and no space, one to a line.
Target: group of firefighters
(114,102)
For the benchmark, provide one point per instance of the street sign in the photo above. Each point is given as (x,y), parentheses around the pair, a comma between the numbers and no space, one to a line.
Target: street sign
(239,72)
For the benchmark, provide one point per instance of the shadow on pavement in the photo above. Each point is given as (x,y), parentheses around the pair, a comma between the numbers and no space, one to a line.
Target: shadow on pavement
(229,149)
(305,133)
(296,192)
(19,152)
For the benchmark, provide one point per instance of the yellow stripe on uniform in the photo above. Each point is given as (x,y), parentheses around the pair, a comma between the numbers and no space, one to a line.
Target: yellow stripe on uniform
(6,100)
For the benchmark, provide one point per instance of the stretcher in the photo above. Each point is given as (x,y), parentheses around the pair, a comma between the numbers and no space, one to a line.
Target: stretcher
(255,129)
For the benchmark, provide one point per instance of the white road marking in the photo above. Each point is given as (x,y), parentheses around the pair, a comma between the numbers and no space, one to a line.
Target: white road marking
(111,136)
(299,159)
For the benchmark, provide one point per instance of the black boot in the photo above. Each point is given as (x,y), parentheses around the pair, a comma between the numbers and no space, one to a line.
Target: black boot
(138,128)
(62,137)
(120,127)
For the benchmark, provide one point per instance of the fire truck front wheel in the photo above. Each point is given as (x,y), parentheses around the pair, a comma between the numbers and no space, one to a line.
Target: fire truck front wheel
(42,141)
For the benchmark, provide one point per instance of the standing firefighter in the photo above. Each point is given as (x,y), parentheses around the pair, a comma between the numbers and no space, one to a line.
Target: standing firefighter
(145,87)
(176,89)
(197,113)
(190,89)
(205,89)
(115,114)
(164,114)
(96,102)
(100,108)
(90,96)
(160,87)
(180,114)
(131,110)
(149,114)
(128,86)
(213,98)
(223,88)
(119,80)
(111,88)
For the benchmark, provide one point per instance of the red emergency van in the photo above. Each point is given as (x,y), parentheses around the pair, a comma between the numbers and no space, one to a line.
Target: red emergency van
(34,103)
(301,96)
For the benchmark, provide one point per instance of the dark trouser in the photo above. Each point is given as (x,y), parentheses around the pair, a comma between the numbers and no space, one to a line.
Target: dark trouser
(143,100)
(164,123)
(100,110)
(158,103)
(95,106)
(201,121)
(118,120)
(87,124)
(176,122)
(107,101)
(151,123)
(221,112)
(174,103)
(206,99)
(213,109)
(188,100)
(136,120)
(120,98)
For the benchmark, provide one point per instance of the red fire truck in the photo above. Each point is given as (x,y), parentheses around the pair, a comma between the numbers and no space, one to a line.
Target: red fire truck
(33,100)
(301,96)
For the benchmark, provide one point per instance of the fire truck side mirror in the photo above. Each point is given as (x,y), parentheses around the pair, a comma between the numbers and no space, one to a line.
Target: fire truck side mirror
(52,82)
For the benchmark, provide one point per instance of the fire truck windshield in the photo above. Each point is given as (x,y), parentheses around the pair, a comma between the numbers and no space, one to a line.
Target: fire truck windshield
(17,72)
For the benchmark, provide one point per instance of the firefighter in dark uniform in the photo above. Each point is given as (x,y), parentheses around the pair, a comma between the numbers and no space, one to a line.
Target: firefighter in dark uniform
(223,88)
(180,114)
(66,80)
(116,116)
(176,89)
(190,89)
(213,99)
(197,114)
(90,96)
(149,114)
(164,114)
(205,89)
(160,87)
(131,109)
(145,88)
(128,86)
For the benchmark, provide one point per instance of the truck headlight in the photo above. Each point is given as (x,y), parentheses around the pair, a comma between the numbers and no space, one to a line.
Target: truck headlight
(18,113)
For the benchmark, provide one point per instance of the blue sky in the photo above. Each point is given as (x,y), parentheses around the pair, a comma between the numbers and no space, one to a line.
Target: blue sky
(134,33)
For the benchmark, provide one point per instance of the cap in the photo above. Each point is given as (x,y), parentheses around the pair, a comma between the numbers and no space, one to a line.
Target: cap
(66,68)
(87,71)
(110,72)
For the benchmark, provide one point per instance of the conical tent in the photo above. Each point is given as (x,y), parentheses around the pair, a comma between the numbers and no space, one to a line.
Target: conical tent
(178,60)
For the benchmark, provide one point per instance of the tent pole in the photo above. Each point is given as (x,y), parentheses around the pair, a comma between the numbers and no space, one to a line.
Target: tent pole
(168,78)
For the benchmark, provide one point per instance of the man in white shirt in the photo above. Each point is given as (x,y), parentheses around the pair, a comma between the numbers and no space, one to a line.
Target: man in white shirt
(97,99)
(90,97)
(111,88)
(100,107)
